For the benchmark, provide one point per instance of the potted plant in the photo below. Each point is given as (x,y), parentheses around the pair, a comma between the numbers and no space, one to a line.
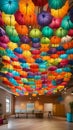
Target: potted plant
(70,114)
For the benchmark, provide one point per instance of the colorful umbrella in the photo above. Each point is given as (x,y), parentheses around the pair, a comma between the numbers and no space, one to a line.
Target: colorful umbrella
(26,7)
(4,39)
(56,4)
(60,13)
(56,22)
(60,32)
(25,39)
(39,2)
(9,6)
(47,31)
(2,32)
(35,33)
(8,19)
(45,40)
(44,18)
(19,17)
(66,23)
(11,31)
(21,29)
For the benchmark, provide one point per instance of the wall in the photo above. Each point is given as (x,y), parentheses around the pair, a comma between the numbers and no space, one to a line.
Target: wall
(68,97)
(20,102)
(3,95)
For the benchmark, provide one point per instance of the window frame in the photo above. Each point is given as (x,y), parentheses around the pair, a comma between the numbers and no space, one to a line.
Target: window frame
(9,109)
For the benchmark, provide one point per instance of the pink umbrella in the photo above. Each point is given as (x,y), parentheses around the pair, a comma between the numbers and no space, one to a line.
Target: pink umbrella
(70,33)
(4,39)
(3,45)
(56,22)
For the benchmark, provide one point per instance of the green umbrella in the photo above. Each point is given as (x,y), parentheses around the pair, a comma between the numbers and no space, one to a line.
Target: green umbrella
(35,33)
(10,30)
(45,40)
(2,52)
(9,6)
(56,4)
(14,39)
(47,31)
(60,32)
(66,23)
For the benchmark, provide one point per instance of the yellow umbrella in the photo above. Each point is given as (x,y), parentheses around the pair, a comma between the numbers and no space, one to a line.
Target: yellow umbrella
(8,19)
(60,13)
(12,45)
(6,58)
(27,54)
(26,6)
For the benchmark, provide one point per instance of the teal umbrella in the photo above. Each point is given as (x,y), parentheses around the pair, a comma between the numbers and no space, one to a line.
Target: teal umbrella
(56,4)
(9,6)
(47,31)
(60,32)
(66,23)
(45,40)
(10,30)
(15,39)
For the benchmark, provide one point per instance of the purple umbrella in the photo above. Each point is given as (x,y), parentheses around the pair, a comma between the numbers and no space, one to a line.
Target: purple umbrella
(52,51)
(3,45)
(4,39)
(36,45)
(25,39)
(2,32)
(44,18)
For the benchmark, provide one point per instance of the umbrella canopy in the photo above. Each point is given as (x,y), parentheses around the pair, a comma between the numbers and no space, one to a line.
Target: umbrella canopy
(31,19)
(21,29)
(10,30)
(61,32)
(66,23)
(8,19)
(60,13)
(35,33)
(25,39)
(56,4)
(45,40)
(44,18)
(1,20)
(39,2)
(47,31)
(9,6)
(19,17)
(56,22)
(2,32)
(4,39)
(26,7)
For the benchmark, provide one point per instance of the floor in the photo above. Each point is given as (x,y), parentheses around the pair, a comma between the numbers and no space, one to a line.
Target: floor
(37,124)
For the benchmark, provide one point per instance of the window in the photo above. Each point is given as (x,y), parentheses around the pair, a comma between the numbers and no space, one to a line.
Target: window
(8,105)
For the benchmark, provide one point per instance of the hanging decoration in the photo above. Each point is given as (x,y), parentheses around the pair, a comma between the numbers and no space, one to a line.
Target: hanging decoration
(36,46)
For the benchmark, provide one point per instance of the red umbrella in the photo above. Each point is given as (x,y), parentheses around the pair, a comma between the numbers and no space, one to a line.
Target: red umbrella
(4,39)
(20,18)
(56,22)
(70,33)
(40,2)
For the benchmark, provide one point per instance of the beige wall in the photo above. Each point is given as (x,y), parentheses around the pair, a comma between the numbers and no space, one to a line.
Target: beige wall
(68,97)
(3,95)
(20,102)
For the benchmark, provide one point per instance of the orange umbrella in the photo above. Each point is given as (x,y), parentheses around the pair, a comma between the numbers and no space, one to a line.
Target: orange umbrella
(60,13)
(31,19)
(55,40)
(26,6)
(21,29)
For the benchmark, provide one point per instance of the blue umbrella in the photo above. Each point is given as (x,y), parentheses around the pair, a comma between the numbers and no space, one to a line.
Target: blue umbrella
(9,6)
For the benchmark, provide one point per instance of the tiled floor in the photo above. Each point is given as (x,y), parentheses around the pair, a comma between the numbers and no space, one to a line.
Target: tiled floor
(37,124)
